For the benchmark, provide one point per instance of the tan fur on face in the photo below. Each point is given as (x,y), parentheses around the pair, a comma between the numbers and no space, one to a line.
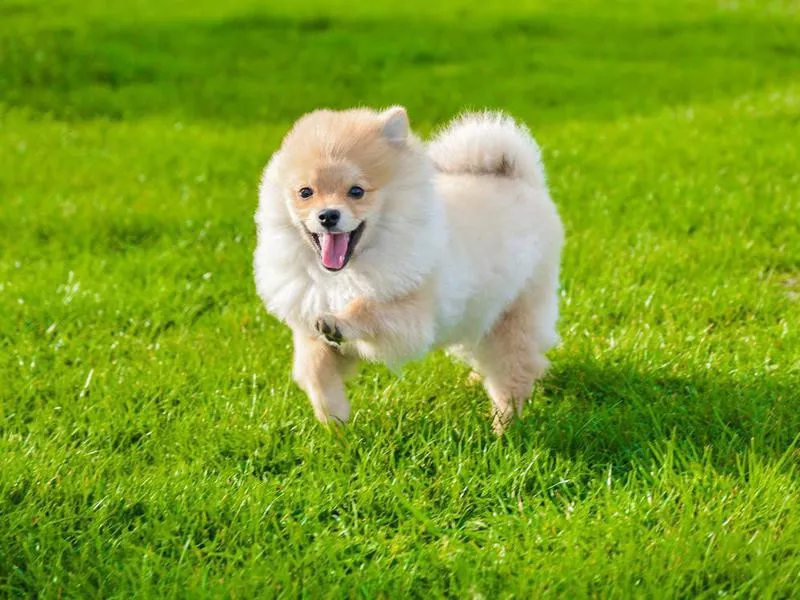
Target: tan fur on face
(330,152)
(331,184)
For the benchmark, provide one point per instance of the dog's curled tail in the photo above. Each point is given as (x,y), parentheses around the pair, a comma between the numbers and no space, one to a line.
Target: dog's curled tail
(488,143)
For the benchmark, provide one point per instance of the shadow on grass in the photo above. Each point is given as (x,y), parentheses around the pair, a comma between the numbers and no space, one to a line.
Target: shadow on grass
(262,68)
(615,414)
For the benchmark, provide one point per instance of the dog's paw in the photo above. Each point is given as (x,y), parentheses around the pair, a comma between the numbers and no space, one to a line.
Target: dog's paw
(328,327)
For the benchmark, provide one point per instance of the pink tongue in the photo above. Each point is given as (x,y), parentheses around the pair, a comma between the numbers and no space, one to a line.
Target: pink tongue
(334,249)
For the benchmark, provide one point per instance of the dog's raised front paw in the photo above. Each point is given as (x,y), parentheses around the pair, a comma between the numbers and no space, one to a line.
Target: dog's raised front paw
(328,328)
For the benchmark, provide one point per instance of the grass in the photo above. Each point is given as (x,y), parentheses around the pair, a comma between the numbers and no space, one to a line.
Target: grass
(151,440)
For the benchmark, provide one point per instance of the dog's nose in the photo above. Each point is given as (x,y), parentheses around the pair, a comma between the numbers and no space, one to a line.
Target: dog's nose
(329,217)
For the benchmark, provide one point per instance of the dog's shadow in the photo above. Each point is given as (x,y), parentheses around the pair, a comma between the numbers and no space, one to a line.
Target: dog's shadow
(611,414)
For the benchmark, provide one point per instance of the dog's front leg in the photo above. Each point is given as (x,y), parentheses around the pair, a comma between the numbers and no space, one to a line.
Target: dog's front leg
(397,329)
(319,370)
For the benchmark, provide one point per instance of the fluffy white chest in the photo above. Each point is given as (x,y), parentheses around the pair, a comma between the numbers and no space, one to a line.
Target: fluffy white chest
(298,296)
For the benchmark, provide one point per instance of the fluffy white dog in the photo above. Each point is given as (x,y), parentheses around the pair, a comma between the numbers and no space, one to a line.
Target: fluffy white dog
(373,246)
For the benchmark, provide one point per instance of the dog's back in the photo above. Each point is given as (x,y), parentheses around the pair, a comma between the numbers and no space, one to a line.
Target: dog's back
(504,231)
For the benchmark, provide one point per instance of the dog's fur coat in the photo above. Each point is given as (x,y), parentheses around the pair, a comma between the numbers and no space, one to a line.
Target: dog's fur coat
(459,248)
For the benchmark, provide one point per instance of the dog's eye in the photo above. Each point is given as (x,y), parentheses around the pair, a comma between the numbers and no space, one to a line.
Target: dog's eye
(306,192)
(356,192)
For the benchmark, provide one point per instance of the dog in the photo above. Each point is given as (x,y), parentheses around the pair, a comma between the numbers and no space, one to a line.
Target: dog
(372,245)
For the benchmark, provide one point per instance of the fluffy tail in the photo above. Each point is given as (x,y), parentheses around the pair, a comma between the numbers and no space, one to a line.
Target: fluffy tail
(489,143)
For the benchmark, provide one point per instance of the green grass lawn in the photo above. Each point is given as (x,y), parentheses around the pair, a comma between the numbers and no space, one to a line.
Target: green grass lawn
(151,439)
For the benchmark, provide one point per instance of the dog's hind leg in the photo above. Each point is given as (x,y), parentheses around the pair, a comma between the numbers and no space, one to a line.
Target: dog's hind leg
(319,369)
(511,356)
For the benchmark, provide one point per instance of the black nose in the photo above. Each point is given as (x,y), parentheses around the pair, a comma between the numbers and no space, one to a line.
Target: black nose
(329,217)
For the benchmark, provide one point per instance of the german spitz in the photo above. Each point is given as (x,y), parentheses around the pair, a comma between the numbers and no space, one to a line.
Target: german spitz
(376,246)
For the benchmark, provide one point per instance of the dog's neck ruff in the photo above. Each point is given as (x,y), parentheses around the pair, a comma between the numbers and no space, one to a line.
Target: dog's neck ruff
(297,288)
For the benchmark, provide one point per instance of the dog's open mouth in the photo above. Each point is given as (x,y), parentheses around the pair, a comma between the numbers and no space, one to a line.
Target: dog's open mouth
(335,249)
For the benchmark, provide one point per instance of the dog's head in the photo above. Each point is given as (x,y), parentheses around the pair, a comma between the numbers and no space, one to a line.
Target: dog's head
(334,168)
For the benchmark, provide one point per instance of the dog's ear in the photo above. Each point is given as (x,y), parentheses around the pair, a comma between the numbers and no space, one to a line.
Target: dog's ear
(395,124)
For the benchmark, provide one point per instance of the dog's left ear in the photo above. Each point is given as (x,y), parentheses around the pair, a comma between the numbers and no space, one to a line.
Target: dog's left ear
(395,124)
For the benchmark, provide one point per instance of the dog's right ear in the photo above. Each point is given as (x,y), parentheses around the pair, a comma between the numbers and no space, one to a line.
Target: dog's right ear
(395,124)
